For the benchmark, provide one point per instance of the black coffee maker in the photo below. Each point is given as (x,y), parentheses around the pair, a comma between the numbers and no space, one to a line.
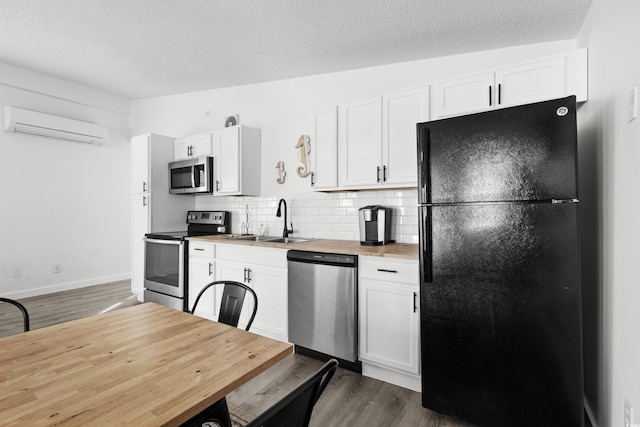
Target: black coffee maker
(375,225)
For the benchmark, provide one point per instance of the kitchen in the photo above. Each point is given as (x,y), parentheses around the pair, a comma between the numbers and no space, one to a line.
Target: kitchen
(282,109)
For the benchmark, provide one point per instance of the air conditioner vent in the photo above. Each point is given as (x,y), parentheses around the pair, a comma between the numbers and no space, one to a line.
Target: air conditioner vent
(49,126)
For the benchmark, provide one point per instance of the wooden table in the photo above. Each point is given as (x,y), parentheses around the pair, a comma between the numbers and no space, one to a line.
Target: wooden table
(142,365)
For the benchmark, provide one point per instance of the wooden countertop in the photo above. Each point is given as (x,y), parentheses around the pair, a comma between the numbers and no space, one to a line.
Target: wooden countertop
(349,247)
(145,365)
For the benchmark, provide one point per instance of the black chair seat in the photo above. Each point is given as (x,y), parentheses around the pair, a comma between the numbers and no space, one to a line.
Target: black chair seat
(294,410)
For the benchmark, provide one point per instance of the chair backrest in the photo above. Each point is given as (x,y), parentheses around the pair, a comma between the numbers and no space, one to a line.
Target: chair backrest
(294,410)
(233,295)
(25,313)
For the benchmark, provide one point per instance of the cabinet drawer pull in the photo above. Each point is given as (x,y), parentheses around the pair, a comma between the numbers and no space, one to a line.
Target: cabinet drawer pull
(198,249)
(499,93)
(384,270)
(490,96)
(415,306)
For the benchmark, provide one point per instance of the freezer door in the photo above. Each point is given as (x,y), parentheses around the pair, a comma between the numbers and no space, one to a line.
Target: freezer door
(520,153)
(501,313)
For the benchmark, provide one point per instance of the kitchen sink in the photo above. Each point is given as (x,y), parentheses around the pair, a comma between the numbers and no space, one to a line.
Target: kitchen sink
(289,240)
(254,238)
(270,239)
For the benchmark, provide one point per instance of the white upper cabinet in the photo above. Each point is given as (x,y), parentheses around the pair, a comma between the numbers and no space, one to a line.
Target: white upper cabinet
(533,81)
(193,146)
(236,158)
(401,111)
(462,95)
(324,151)
(140,159)
(377,139)
(360,142)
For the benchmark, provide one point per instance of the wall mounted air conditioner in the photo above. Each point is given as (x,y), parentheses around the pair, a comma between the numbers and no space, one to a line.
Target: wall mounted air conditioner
(44,125)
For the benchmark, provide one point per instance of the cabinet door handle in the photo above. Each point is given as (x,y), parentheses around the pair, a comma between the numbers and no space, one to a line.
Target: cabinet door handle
(144,200)
(499,93)
(249,274)
(144,187)
(312,175)
(245,276)
(384,270)
(490,96)
(415,305)
(384,173)
(217,185)
(210,267)
(378,174)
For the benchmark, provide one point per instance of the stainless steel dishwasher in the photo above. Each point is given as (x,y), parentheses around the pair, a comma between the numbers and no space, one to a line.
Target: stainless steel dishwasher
(323,299)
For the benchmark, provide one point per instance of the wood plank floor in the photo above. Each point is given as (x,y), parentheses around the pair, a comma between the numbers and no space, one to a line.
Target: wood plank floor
(350,399)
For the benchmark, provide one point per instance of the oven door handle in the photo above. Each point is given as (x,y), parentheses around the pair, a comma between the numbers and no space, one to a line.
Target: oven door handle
(163,242)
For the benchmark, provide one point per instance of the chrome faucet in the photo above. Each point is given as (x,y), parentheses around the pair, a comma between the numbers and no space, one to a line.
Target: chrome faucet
(286,231)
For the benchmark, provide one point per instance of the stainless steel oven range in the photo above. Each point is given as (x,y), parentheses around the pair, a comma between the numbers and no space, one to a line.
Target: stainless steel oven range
(165,258)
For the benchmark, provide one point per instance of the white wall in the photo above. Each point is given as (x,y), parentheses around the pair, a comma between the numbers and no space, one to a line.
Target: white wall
(283,110)
(612,146)
(62,202)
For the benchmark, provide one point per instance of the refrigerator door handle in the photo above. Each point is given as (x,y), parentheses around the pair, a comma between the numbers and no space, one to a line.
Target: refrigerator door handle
(426,261)
(423,164)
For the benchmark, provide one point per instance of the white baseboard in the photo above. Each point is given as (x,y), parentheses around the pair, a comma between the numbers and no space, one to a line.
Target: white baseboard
(68,286)
(412,382)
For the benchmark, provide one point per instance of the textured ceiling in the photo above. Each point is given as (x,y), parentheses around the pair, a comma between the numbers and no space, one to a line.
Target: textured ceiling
(143,48)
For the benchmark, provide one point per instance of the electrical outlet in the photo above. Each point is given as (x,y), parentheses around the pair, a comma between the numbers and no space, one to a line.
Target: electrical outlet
(56,268)
(628,413)
(16,271)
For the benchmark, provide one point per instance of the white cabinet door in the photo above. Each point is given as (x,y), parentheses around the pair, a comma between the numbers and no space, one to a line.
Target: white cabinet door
(401,112)
(193,146)
(140,225)
(360,142)
(270,286)
(324,150)
(389,325)
(532,81)
(140,164)
(201,273)
(226,146)
(454,97)
(537,81)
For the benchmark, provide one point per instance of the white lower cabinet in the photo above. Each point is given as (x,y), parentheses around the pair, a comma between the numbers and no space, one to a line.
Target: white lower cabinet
(389,315)
(201,273)
(265,271)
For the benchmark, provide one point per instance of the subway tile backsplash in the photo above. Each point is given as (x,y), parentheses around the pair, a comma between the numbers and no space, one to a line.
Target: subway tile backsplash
(319,215)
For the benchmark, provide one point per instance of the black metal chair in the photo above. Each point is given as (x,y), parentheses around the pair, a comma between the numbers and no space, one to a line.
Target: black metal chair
(294,410)
(233,295)
(25,313)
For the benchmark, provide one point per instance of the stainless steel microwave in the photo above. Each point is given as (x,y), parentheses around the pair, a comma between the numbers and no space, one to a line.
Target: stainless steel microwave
(191,176)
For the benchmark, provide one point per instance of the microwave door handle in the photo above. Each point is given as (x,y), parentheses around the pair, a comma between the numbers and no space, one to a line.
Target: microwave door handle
(193,176)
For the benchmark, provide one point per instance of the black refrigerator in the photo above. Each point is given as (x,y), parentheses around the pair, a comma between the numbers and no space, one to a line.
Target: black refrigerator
(500,300)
